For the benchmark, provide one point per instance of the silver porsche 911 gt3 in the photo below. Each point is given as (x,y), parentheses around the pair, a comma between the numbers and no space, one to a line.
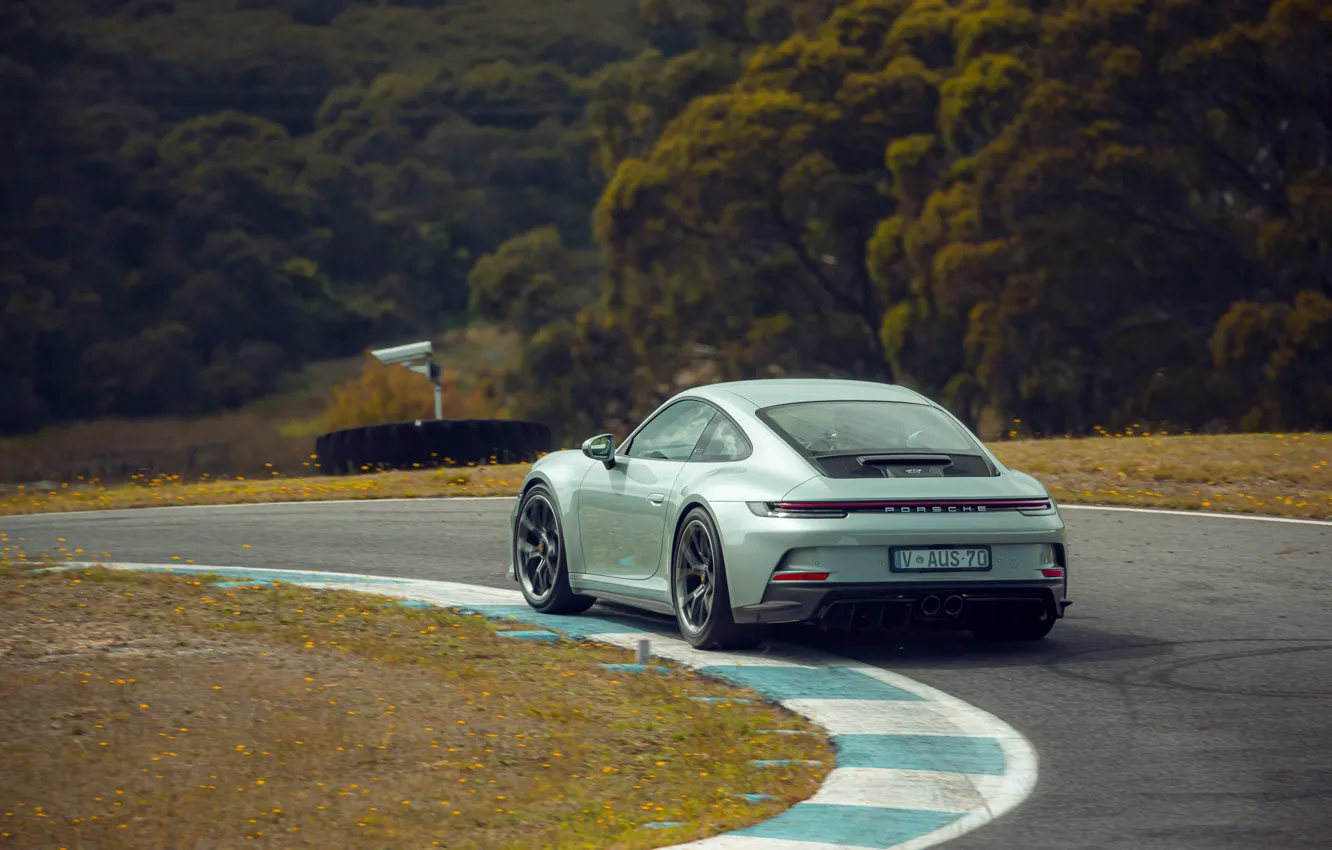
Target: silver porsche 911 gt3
(848,504)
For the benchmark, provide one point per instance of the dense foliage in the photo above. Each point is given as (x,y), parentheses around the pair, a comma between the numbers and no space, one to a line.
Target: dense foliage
(1072,213)
(1068,212)
(200,194)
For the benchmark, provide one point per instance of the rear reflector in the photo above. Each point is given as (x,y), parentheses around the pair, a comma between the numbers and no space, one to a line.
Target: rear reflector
(1053,572)
(799,576)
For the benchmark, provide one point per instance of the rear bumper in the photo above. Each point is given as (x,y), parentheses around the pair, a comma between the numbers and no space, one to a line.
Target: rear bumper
(886,604)
(855,550)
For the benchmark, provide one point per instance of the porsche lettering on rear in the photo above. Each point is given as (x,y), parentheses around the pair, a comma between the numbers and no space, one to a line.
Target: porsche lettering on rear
(934,509)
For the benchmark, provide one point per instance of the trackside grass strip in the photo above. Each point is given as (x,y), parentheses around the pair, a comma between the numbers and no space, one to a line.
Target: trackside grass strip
(142,710)
(1272,474)
(1275,474)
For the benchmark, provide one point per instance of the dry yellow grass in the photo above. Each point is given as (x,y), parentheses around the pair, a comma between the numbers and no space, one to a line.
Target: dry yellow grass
(1279,474)
(146,710)
(1276,474)
(241,441)
(168,490)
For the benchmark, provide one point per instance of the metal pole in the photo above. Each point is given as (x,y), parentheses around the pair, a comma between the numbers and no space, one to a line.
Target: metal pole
(439,401)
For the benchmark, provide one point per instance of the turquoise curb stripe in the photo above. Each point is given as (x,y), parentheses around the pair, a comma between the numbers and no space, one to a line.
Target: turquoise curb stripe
(243,583)
(531,634)
(255,575)
(285,577)
(575,625)
(853,826)
(636,668)
(954,754)
(779,683)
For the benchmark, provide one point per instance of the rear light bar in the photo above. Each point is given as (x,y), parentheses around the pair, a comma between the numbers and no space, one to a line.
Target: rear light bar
(799,576)
(835,510)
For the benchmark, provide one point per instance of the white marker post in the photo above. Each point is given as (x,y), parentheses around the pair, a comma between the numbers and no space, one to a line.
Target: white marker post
(644,651)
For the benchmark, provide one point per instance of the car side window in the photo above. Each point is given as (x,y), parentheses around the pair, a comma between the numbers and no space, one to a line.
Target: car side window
(673,433)
(724,441)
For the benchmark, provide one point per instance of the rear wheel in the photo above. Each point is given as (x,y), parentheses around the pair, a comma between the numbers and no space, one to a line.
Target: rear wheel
(1013,622)
(539,559)
(699,592)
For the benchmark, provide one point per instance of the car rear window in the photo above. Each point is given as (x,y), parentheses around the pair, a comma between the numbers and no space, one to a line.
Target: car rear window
(867,426)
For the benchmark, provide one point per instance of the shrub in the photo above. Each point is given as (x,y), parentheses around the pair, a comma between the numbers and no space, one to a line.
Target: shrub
(392,393)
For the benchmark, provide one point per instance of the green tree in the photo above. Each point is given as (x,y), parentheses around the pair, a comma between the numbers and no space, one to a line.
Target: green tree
(533,280)
(1033,210)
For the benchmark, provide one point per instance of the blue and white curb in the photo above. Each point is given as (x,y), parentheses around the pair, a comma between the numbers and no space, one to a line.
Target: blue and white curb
(914,768)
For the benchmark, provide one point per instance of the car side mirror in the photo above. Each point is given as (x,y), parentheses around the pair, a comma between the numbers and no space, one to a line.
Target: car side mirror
(601,448)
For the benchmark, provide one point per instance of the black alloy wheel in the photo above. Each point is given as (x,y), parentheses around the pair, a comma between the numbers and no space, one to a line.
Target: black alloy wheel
(699,592)
(539,558)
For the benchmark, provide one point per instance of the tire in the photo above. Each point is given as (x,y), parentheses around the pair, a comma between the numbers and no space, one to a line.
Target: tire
(700,594)
(1014,625)
(544,580)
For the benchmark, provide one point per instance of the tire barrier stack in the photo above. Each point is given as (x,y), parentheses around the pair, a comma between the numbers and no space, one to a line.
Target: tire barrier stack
(430,443)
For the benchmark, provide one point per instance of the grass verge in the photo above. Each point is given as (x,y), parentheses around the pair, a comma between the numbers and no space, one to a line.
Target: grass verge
(1273,474)
(1276,474)
(500,480)
(149,710)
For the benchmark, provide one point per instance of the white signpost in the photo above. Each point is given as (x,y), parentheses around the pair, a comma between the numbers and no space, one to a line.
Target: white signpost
(416,357)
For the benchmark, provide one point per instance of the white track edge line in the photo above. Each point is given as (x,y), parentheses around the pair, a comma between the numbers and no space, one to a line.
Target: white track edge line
(400,499)
(899,788)
(196,568)
(1203,514)
(371,500)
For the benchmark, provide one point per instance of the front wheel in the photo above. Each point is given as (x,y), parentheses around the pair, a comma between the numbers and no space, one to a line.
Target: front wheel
(699,592)
(539,558)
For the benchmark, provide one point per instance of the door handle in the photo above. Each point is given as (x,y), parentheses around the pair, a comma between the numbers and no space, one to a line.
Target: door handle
(656,498)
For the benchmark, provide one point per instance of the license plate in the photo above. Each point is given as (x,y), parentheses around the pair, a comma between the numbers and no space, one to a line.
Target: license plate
(950,558)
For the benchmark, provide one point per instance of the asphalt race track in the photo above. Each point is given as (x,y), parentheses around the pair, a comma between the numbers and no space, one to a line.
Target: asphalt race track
(1185,702)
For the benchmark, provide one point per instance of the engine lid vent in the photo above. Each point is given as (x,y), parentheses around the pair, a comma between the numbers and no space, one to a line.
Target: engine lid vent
(908,466)
(904,465)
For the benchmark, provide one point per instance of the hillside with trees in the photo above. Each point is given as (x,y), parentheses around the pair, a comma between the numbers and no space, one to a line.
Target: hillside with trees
(202,194)
(1076,213)
(1071,214)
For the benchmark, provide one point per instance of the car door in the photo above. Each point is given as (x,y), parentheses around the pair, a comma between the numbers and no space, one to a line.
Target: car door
(622,510)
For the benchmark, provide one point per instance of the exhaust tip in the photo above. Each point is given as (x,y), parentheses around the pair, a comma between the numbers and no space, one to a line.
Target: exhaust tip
(953,605)
(929,606)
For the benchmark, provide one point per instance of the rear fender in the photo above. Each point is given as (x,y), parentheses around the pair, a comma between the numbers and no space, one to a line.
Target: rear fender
(722,484)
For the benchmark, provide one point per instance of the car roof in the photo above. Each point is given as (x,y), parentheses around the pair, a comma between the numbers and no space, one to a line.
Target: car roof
(766,392)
